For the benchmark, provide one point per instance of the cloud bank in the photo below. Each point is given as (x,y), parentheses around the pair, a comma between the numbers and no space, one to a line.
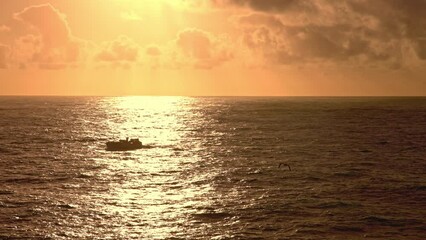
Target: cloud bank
(379,32)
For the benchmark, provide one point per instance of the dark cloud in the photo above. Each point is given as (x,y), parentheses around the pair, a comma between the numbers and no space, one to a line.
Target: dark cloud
(205,50)
(289,44)
(398,19)
(272,5)
(378,31)
(421,48)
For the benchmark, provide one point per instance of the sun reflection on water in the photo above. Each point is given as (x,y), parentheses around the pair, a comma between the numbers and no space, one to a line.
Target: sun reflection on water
(155,119)
(152,190)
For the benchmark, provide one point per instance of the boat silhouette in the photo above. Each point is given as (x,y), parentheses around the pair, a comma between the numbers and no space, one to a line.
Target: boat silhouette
(124,145)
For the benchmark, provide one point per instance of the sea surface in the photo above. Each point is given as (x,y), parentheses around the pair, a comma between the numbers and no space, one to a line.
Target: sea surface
(210,169)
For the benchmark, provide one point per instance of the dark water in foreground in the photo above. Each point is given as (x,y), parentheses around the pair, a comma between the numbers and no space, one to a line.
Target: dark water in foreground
(210,170)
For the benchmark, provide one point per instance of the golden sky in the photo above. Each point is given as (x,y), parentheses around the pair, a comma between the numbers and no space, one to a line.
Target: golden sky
(213,47)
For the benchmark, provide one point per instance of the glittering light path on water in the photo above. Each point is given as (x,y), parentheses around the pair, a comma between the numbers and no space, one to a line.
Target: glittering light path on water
(210,168)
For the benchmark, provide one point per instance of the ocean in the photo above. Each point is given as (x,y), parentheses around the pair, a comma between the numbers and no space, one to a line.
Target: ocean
(213,168)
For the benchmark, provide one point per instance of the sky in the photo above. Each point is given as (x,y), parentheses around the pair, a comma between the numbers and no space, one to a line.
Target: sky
(213,47)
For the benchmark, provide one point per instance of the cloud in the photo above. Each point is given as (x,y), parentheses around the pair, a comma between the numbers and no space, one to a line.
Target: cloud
(26,49)
(287,44)
(271,5)
(57,46)
(4,53)
(380,32)
(203,49)
(421,48)
(398,19)
(157,57)
(4,28)
(52,66)
(153,51)
(119,52)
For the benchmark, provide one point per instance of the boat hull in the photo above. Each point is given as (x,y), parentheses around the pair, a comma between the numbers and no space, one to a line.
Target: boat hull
(120,146)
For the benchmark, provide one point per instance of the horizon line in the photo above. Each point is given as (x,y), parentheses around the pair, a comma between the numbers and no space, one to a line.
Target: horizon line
(147,95)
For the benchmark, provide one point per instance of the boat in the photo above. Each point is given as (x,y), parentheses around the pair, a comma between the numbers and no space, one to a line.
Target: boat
(124,145)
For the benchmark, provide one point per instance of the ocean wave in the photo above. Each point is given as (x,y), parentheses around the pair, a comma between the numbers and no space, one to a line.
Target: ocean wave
(6,192)
(393,222)
(213,170)
(4,150)
(335,204)
(346,228)
(212,215)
